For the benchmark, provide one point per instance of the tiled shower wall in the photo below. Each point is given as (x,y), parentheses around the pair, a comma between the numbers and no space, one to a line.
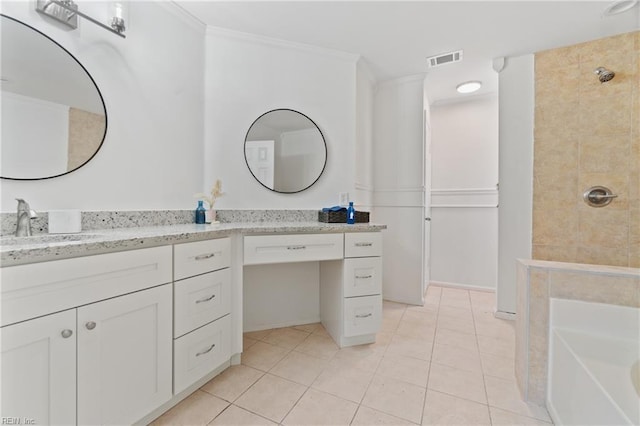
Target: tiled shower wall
(587,133)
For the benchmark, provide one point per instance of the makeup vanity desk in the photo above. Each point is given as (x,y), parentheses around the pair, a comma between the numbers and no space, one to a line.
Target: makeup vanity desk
(88,302)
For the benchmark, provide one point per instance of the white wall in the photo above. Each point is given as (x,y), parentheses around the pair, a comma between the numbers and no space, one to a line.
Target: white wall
(363,149)
(246,76)
(516,173)
(398,164)
(464,198)
(152,84)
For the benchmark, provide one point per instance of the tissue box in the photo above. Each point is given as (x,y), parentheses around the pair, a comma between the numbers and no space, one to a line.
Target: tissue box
(341,217)
(65,221)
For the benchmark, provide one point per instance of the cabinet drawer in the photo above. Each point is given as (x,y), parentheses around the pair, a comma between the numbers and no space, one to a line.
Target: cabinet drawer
(362,244)
(362,315)
(200,352)
(200,300)
(30,291)
(201,256)
(362,276)
(292,248)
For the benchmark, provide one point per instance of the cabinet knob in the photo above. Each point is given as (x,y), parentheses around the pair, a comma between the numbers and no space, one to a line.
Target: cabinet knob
(90,325)
(66,333)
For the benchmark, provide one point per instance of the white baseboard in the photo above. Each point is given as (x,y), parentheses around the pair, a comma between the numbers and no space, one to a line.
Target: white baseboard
(462,286)
(511,316)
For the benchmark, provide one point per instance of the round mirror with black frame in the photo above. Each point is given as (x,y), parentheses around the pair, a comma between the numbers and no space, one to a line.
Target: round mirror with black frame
(54,119)
(285,151)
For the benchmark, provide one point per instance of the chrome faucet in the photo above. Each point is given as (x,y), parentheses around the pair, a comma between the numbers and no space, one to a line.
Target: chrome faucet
(25,214)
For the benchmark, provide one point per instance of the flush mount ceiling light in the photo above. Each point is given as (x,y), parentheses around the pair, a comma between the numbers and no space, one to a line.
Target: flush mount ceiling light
(619,6)
(468,86)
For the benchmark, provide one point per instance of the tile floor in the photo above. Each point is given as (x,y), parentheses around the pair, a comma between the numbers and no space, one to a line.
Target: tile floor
(449,362)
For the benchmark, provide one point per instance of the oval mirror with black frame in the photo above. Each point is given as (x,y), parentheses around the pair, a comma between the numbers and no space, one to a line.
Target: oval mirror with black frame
(54,119)
(285,151)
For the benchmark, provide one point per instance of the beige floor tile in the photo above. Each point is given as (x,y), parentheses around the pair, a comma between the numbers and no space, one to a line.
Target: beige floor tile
(395,397)
(498,366)
(319,408)
(300,368)
(456,357)
(506,418)
(488,325)
(433,295)
(504,394)
(482,300)
(287,338)
(455,338)
(383,338)
(422,315)
(416,330)
(390,323)
(427,308)
(410,370)
(453,312)
(368,416)
(238,416)
(411,347)
(363,357)
(443,409)
(232,382)
(247,342)
(389,306)
(199,408)
(309,328)
(460,324)
(321,331)
(501,346)
(263,356)
(271,397)
(456,382)
(455,297)
(318,346)
(258,335)
(345,382)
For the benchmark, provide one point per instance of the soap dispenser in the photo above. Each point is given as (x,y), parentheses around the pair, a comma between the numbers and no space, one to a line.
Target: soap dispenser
(351,214)
(200,213)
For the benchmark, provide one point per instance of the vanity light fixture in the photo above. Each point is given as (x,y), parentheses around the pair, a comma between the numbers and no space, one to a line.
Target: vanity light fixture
(469,86)
(66,11)
(619,6)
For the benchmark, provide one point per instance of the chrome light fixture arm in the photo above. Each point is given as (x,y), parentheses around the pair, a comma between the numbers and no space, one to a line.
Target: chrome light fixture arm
(70,10)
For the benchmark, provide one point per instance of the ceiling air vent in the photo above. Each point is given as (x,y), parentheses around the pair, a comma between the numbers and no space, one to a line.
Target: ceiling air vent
(445,58)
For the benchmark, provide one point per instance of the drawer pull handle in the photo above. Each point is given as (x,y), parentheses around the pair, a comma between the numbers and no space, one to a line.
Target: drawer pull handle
(296,247)
(364,244)
(363,277)
(67,333)
(364,315)
(205,256)
(206,299)
(206,351)
(90,325)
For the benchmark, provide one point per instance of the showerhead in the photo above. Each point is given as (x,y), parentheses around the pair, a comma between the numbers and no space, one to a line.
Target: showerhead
(604,74)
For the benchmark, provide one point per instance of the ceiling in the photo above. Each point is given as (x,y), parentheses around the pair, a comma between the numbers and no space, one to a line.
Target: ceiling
(394,38)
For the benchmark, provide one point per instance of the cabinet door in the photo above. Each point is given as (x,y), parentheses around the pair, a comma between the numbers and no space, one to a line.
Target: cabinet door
(39,370)
(124,357)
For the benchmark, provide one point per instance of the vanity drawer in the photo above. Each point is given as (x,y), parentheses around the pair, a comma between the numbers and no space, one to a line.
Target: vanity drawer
(199,300)
(362,315)
(362,276)
(200,352)
(30,291)
(362,244)
(201,256)
(261,249)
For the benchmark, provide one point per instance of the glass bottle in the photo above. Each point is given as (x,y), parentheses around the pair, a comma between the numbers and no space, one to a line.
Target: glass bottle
(200,213)
(351,214)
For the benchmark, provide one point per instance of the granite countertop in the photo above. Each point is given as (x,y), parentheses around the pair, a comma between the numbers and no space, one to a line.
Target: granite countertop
(45,247)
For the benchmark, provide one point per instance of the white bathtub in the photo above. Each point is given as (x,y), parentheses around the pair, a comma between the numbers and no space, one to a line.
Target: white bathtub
(594,350)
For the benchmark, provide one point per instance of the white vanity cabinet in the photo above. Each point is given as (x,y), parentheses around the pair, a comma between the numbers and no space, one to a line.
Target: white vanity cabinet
(351,291)
(202,307)
(107,317)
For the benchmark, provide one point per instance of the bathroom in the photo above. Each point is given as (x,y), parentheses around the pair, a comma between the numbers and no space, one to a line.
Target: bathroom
(180,115)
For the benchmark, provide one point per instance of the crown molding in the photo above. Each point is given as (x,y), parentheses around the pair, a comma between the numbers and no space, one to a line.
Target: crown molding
(180,13)
(284,44)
